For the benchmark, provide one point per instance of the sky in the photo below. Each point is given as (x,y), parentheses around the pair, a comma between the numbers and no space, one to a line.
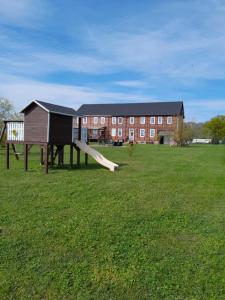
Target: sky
(111,51)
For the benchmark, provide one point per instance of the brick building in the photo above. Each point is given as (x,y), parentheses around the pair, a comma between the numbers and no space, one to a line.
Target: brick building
(137,122)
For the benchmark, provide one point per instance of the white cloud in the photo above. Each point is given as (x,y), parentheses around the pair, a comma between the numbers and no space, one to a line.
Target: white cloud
(20,91)
(35,63)
(132,83)
(187,44)
(25,13)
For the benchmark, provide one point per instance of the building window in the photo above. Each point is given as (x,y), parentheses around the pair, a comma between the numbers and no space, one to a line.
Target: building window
(142,120)
(169,120)
(152,120)
(142,132)
(120,120)
(95,120)
(152,133)
(113,131)
(84,120)
(113,120)
(120,132)
(160,120)
(102,120)
(131,120)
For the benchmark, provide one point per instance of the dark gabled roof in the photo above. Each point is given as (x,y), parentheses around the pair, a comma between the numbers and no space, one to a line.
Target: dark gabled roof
(53,108)
(132,109)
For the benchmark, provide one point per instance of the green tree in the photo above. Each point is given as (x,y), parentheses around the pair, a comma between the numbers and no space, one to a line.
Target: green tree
(216,128)
(7,112)
(6,109)
(184,133)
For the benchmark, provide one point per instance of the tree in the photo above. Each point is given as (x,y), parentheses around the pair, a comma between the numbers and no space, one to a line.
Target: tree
(7,111)
(216,128)
(184,134)
(198,130)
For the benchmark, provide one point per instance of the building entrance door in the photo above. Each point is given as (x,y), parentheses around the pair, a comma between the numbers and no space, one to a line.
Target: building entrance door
(131,134)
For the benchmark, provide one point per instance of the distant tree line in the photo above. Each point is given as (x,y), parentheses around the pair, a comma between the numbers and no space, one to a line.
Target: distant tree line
(214,129)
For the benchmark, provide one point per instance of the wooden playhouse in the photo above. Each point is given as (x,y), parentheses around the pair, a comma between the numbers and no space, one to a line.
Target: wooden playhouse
(47,125)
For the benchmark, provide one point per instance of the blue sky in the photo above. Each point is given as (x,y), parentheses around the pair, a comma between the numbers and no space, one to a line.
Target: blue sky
(88,51)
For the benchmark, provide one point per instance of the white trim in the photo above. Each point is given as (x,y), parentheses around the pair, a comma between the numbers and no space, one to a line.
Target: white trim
(114,118)
(142,123)
(36,101)
(49,111)
(140,132)
(102,118)
(86,118)
(118,130)
(119,119)
(131,130)
(113,130)
(152,130)
(131,118)
(160,123)
(152,123)
(169,117)
(95,119)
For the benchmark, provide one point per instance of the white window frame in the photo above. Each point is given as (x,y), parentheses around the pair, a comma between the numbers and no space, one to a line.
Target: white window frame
(131,122)
(95,120)
(102,120)
(142,120)
(152,130)
(120,132)
(113,120)
(84,120)
(120,119)
(169,120)
(141,132)
(113,132)
(160,118)
(152,120)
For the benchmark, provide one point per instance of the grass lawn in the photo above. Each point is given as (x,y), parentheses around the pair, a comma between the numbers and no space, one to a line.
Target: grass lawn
(155,229)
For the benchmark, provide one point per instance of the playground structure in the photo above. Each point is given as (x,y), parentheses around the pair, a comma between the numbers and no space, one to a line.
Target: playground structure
(51,127)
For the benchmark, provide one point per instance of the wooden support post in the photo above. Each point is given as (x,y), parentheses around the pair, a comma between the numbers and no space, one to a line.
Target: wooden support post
(79,138)
(41,156)
(71,156)
(46,159)
(52,154)
(15,153)
(79,129)
(62,156)
(7,156)
(59,155)
(29,147)
(86,159)
(78,157)
(25,157)
(86,156)
(2,132)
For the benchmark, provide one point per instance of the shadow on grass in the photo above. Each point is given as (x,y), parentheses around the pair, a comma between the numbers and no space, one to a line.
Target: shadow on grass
(82,167)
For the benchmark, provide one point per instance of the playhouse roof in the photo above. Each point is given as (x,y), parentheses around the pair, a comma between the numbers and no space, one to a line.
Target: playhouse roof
(133,109)
(52,108)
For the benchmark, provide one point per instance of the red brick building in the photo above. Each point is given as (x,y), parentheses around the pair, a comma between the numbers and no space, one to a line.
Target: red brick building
(138,122)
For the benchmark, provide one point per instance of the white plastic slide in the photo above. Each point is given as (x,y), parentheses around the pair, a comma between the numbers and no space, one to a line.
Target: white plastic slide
(96,155)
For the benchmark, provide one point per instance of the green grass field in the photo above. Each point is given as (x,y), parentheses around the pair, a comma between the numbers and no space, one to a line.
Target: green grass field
(155,229)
